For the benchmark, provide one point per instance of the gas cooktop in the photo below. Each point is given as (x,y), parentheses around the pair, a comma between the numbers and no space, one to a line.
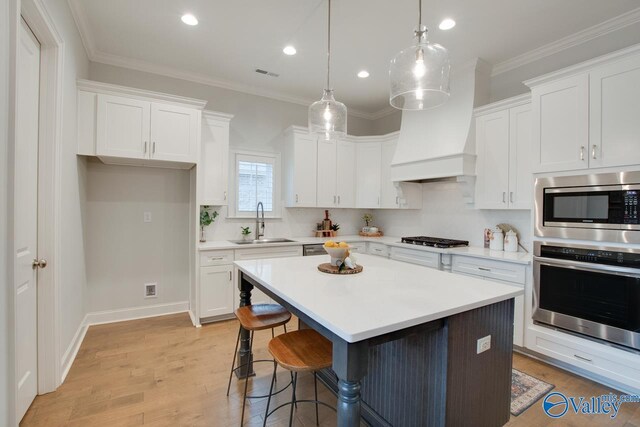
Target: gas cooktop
(435,242)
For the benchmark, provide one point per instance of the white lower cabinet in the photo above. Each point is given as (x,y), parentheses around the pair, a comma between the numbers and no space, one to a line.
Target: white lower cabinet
(216,290)
(358,247)
(416,256)
(514,274)
(379,249)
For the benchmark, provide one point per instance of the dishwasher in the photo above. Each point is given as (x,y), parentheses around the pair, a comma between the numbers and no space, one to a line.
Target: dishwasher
(309,250)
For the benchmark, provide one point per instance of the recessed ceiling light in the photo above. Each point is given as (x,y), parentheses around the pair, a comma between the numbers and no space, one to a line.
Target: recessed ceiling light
(363,74)
(189,19)
(289,50)
(447,24)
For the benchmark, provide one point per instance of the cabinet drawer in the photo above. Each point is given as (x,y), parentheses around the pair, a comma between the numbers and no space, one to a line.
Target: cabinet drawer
(264,253)
(215,258)
(358,247)
(379,249)
(490,269)
(428,259)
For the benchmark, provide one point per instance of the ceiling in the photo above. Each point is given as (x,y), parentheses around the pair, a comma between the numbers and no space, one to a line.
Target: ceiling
(235,37)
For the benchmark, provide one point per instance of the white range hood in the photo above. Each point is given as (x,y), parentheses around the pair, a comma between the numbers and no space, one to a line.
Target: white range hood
(439,143)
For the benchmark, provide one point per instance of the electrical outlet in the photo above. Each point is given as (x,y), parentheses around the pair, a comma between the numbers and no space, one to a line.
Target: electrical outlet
(150,290)
(147,217)
(484,344)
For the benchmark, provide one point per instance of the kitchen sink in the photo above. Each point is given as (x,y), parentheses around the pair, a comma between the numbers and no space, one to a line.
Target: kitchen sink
(261,241)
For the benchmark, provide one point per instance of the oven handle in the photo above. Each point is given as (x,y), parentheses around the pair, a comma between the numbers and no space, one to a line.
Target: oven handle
(596,268)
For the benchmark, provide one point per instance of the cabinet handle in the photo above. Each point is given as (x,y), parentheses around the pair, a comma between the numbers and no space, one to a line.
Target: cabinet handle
(215,258)
(593,151)
(230,276)
(145,147)
(378,200)
(225,195)
(582,152)
(397,200)
(296,198)
(334,199)
(504,197)
(582,358)
(484,269)
(338,199)
(154,148)
(511,196)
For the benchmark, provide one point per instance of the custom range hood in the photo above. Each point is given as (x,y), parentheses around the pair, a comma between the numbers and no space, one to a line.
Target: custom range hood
(439,143)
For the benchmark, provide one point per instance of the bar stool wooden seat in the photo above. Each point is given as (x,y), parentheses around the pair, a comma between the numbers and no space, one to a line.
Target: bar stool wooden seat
(304,350)
(253,318)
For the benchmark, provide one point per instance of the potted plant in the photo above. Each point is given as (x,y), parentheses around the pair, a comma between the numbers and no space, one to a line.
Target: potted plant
(246,231)
(206,218)
(335,227)
(367,220)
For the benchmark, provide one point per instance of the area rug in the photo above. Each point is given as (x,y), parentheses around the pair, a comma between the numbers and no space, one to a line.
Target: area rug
(525,391)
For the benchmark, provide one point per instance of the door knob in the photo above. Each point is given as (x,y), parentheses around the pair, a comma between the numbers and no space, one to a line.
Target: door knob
(39,264)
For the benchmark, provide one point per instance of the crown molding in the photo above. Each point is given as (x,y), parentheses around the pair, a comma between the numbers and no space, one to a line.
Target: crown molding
(514,101)
(598,30)
(96,55)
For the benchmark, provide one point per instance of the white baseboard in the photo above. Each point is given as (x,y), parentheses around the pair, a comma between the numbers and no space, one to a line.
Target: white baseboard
(110,316)
(195,322)
(72,351)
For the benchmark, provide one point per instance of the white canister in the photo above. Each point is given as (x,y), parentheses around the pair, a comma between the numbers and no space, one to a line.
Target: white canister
(511,241)
(496,241)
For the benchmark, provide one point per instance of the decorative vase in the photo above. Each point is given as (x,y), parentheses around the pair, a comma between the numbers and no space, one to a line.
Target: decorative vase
(202,236)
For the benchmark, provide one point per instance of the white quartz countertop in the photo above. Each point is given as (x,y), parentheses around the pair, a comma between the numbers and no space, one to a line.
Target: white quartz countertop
(514,257)
(387,296)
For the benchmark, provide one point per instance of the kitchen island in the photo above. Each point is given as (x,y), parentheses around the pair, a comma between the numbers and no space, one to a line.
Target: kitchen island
(405,338)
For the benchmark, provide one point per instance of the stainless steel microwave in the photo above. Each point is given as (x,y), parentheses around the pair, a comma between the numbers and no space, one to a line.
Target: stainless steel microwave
(600,207)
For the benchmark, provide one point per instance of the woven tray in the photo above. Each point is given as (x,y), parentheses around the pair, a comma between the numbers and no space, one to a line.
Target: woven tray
(332,269)
(376,234)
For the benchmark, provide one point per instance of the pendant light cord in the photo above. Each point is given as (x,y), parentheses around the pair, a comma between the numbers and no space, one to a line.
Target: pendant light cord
(329,47)
(419,14)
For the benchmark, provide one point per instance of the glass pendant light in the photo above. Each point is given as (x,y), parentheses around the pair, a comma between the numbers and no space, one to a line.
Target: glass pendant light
(328,117)
(420,74)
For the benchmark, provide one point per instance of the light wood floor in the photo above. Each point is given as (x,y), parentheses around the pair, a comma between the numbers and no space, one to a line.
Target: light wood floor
(164,372)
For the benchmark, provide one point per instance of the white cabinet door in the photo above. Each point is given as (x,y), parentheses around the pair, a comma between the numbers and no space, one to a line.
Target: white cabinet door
(327,196)
(368,160)
(305,163)
(492,168)
(346,174)
(520,163)
(615,114)
(561,124)
(174,133)
(122,128)
(216,290)
(388,192)
(213,167)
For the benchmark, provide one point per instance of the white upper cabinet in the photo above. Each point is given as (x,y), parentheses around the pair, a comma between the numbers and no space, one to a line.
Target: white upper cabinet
(561,124)
(504,179)
(368,178)
(213,168)
(615,114)
(174,133)
(389,197)
(300,168)
(346,174)
(123,127)
(327,170)
(586,116)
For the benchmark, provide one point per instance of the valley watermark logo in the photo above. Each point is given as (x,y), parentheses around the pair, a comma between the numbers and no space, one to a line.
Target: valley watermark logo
(556,404)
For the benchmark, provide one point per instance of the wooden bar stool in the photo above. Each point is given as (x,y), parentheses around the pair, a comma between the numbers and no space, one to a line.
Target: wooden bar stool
(256,318)
(300,351)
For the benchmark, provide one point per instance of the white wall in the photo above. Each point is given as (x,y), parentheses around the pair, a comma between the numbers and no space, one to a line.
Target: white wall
(71,258)
(6,311)
(444,214)
(124,252)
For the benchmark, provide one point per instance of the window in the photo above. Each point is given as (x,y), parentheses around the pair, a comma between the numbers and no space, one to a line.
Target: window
(256,180)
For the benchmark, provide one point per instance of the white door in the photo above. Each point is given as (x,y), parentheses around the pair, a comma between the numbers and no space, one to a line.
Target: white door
(492,169)
(327,196)
(346,174)
(388,192)
(368,160)
(216,290)
(615,104)
(26,218)
(123,127)
(520,162)
(173,133)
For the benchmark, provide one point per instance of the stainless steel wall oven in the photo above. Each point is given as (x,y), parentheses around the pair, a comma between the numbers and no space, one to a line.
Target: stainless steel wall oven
(591,290)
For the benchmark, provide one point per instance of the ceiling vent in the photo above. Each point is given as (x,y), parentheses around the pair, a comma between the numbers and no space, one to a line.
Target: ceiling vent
(266,73)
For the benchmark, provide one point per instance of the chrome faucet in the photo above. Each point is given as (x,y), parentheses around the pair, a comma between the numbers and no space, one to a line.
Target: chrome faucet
(259,224)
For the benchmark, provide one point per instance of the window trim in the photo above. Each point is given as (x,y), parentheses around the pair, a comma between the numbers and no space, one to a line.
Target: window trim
(233,180)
